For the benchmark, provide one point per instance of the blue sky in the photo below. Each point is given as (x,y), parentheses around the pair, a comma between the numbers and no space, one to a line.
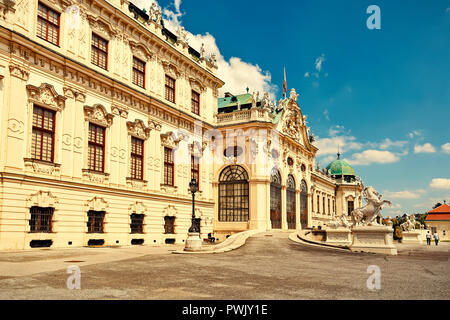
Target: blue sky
(382,95)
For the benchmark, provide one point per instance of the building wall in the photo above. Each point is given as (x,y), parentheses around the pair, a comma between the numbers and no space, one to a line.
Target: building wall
(442,228)
(62,79)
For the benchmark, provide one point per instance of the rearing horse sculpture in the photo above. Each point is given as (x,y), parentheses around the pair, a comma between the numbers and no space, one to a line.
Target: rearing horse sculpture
(367,215)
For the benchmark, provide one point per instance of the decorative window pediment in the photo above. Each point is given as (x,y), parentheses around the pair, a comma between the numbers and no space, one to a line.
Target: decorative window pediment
(171,69)
(140,51)
(100,27)
(46,95)
(96,204)
(138,129)
(196,148)
(197,85)
(170,211)
(97,114)
(43,199)
(170,140)
(137,207)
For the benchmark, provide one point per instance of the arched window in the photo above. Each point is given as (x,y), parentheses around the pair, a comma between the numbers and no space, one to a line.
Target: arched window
(233,195)
(304,204)
(275,199)
(290,202)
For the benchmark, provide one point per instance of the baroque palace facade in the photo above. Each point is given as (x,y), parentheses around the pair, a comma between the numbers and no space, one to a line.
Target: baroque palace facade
(106,116)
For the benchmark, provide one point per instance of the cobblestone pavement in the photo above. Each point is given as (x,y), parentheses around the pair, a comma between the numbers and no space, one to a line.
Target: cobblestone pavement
(269,266)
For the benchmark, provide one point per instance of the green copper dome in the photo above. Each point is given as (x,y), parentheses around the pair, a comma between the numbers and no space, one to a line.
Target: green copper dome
(341,168)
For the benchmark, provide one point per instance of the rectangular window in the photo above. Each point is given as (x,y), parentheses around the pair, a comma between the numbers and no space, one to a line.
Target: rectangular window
(95,221)
(329,211)
(168,166)
(96,148)
(169,225)
(195,102)
(170,89)
(48,24)
(137,158)
(350,206)
(43,134)
(138,72)
(137,223)
(41,219)
(99,54)
(323,205)
(318,204)
(195,170)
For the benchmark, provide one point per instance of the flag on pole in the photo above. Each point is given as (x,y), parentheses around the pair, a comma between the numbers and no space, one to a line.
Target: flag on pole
(284,84)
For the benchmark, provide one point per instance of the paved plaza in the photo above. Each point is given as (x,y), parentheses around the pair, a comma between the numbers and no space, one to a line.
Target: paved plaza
(269,266)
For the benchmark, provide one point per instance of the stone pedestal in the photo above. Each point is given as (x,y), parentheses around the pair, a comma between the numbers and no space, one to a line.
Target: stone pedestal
(412,237)
(374,239)
(339,236)
(193,242)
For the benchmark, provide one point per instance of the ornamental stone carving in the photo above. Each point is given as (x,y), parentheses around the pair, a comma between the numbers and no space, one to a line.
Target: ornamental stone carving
(137,207)
(169,140)
(19,71)
(46,95)
(44,199)
(138,129)
(100,27)
(170,69)
(72,93)
(96,204)
(140,51)
(97,114)
(197,85)
(170,211)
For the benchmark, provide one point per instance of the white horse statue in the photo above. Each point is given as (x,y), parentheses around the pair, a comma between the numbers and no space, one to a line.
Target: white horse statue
(367,215)
(409,224)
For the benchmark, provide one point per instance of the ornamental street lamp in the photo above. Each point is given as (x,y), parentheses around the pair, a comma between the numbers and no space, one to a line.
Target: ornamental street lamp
(193,241)
(193,186)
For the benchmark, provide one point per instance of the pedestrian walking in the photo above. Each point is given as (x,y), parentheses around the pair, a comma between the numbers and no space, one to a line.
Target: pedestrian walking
(436,238)
(428,238)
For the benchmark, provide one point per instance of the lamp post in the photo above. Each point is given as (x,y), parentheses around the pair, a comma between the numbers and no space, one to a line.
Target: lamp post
(193,186)
(193,241)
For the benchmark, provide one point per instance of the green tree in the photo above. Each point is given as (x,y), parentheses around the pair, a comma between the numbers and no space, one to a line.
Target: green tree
(398,233)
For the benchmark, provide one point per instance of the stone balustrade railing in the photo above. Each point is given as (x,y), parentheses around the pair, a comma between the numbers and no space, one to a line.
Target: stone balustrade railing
(254,114)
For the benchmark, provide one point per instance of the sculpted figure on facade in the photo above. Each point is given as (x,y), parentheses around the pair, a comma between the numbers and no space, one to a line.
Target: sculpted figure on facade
(367,215)
(155,13)
(202,51)
(213,60)
(182,35)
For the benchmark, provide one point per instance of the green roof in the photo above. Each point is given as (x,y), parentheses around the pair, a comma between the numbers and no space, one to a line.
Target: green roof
(340,168)
(226,102)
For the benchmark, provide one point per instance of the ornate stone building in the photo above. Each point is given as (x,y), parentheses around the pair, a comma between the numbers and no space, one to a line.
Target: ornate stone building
(106,115)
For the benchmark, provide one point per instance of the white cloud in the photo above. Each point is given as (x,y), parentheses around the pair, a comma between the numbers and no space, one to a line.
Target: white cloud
(425,148)
(401,195)
(237,74)
(446,147)
(330,145)
(415,133)
(373,156)
(440,183)
(318,62)
(387,143)
(326,114)
(306,75)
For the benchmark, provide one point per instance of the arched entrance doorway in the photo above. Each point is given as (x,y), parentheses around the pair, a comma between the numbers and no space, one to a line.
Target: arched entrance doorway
(233,194)
(290,202)
(304,204)
(275,200)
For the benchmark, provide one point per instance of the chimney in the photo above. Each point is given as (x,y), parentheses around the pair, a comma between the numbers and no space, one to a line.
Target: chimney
(227,95)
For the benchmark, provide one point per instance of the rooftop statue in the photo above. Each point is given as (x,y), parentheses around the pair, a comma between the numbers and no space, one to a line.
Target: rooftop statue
(367,215)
